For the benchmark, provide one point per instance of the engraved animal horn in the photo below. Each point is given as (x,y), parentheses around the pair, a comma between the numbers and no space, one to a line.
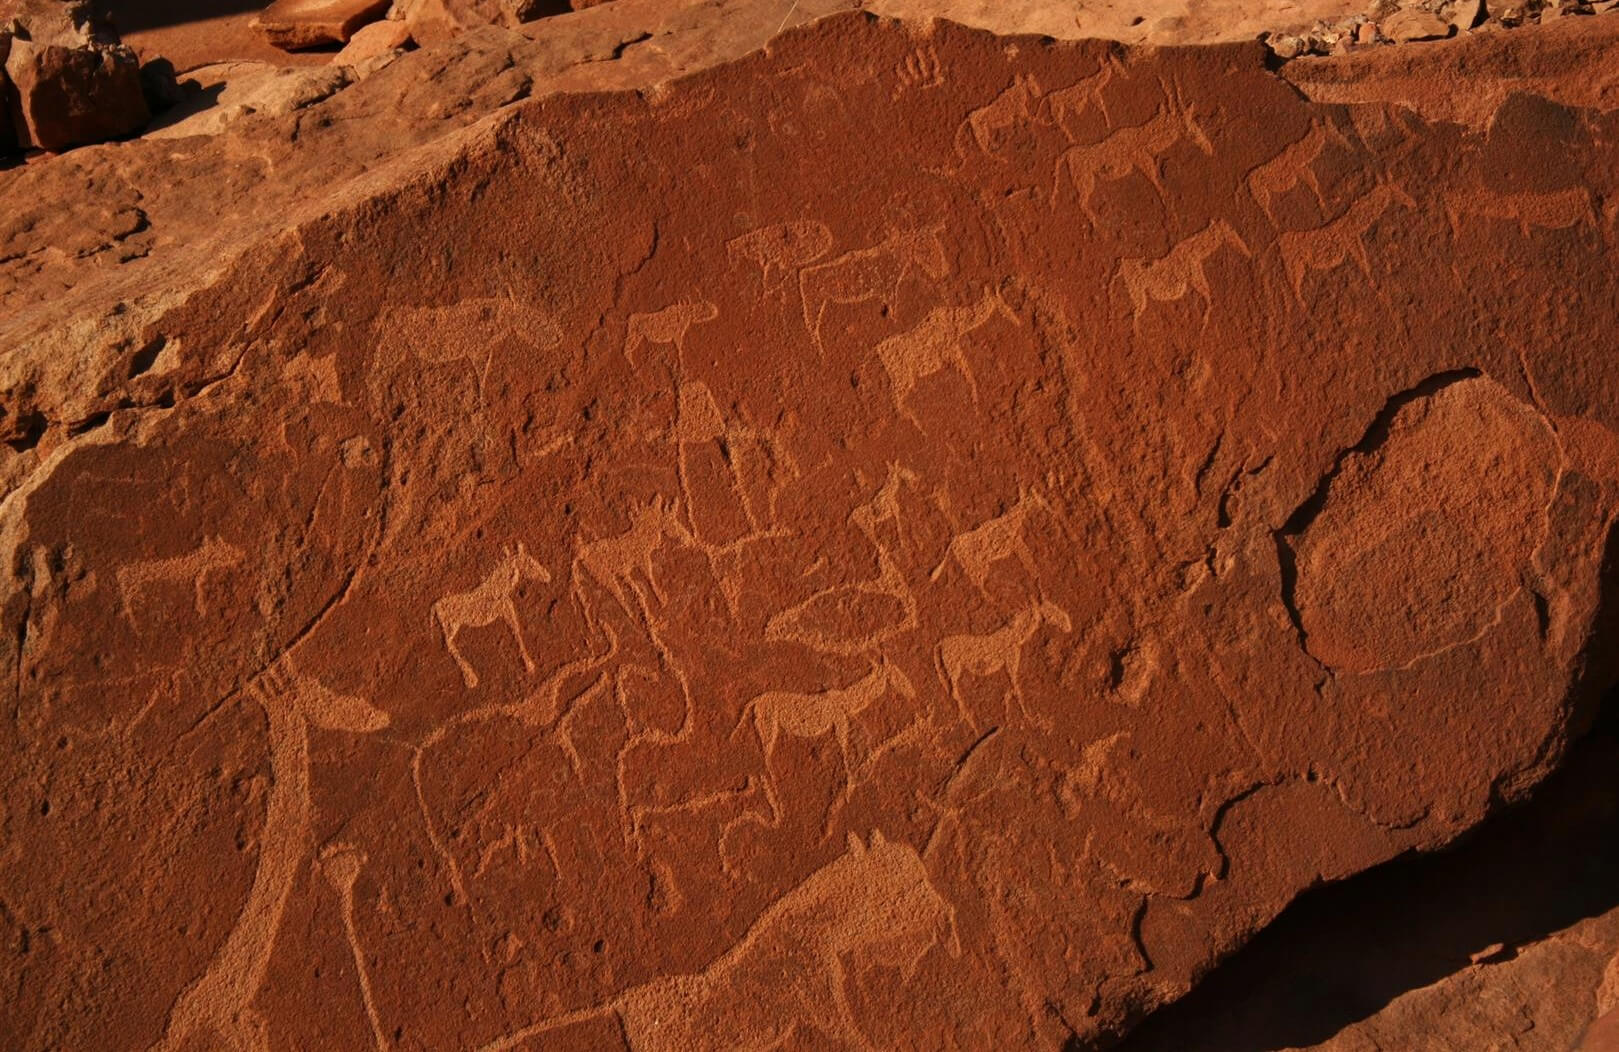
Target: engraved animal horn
(855,846)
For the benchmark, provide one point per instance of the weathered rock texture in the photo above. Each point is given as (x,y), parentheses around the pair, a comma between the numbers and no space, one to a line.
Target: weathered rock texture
(907,533)
(67,80)
(296,24)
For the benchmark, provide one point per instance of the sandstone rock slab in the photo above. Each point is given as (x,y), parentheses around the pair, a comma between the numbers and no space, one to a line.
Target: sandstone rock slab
(870,557)
(295,24)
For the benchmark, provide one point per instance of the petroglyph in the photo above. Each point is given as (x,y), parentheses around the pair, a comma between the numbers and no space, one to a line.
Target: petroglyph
(1012,108)
(1546,210)
(868,274)
(884,507)
(874,904)
(782,249)
(935,345)
(920,69)
(219,1002)
(1183,269)
(212,556)
(490,601)
(668,326)
(1343,239)
(979,549)
(1278,176)
(823,622)
(779,712)
(1072,101)
(468,331)
(612,562)
(341,863)
(996,652)
(1137,148)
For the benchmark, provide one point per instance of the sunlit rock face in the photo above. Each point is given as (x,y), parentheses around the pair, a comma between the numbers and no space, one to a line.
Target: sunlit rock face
(910,538)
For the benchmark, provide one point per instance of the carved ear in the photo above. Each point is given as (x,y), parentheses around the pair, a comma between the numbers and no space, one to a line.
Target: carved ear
(855,846)
(877,838)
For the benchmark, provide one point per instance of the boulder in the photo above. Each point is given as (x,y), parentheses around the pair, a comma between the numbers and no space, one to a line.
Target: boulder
(295,24)
(905,538)
(71,82)
(373,42)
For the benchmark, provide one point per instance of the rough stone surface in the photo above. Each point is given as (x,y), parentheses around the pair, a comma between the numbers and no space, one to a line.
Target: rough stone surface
(906,532)
(1551,996)
(295,24)
(67,80)
(434,21)
(373,42)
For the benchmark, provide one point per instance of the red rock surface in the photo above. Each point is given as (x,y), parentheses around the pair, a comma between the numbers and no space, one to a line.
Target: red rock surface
(906,537)
(295,24)
(66,81)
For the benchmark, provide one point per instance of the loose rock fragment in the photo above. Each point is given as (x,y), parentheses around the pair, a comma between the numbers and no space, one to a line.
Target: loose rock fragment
(295,24)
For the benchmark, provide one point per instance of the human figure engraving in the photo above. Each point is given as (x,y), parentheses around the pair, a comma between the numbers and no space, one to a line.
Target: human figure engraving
(1183,269)
(490,601)
(668,326)
(934,345)
(1340,240)
(1276,177)
(979,549)
(213,556)
(781,249)
(875,904)
(869,274)
(996,652)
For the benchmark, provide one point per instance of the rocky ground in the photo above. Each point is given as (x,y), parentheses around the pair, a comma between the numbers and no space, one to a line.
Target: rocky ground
(690,524)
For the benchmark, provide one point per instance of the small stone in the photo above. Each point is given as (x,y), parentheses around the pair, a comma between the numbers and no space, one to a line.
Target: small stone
(294,24)
(1366,33)
(1495,951)
(1286,47)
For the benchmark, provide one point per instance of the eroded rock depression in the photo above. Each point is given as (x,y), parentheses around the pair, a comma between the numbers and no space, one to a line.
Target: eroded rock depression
(910,532)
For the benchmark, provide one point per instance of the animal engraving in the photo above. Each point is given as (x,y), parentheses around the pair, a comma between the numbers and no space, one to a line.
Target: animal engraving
(1340,240)
(667,326)
(979,549)
(996,652)
(465,332)
(875,904)
(781,249)
(1278,176)
(869,274)
(779,712)
(933,346)
(1138,148)
(1548,210)
(219,1003)
(884,507)
(1013,107)
(1183,269)
(612,562)
(1071,102)
(490,601)
(212,556)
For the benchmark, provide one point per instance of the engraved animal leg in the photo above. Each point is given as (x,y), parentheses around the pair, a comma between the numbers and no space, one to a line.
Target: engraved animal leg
(509,611)
(467,674)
